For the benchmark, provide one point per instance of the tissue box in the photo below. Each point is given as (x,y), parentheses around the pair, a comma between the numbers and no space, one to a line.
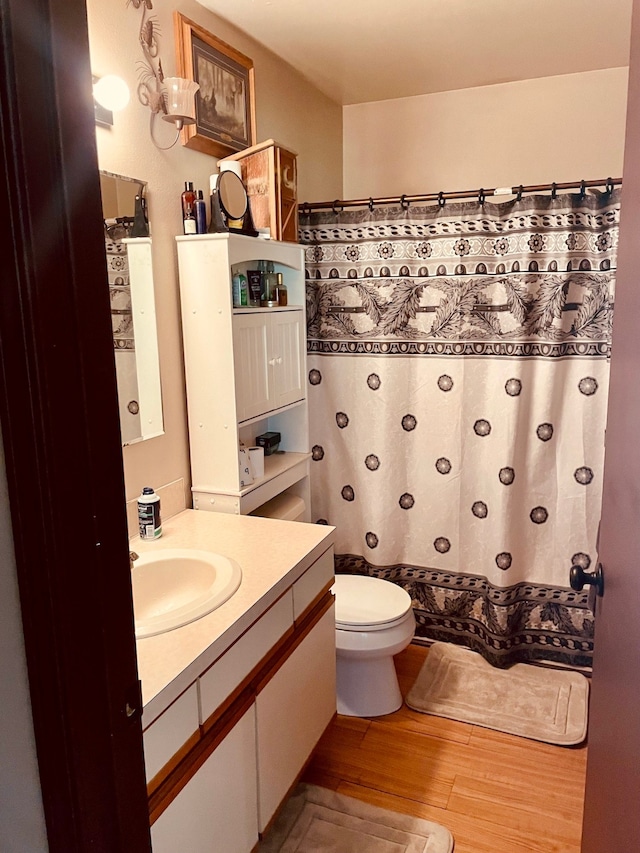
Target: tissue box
(269,441)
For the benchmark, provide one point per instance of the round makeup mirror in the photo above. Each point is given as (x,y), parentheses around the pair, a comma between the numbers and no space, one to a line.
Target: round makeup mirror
(232,195)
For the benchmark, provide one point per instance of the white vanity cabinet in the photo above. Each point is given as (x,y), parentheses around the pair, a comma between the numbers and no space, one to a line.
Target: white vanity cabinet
(216,810)
(245,371)
(226,752)
(285,739)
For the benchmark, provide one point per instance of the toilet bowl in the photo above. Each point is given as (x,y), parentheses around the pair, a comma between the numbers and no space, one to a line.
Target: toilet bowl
(374,621)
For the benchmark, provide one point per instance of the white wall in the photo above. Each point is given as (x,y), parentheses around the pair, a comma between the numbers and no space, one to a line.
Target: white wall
(288,109)
(22,826)
(535,131)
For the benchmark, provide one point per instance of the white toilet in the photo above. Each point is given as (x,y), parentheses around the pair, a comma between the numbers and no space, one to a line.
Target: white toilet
(374,621)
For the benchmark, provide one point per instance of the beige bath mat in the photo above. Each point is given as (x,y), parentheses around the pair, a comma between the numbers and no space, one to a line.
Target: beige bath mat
(316,820)
(530,701)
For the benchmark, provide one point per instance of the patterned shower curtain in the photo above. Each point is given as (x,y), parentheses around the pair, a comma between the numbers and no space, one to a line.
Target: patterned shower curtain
(458,371)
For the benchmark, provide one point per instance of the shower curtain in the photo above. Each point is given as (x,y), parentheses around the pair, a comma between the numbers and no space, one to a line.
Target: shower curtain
(458,369)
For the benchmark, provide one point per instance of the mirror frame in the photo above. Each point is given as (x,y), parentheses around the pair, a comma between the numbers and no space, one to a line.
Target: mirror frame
(143,315)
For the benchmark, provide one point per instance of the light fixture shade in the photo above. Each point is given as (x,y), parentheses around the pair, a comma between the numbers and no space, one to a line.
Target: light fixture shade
(180,100)
(111,92)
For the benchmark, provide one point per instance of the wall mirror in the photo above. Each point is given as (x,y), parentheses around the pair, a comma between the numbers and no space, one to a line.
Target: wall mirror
(133,315)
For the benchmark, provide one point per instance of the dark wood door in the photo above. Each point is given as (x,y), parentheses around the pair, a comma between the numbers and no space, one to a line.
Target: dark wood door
(612,811)
(59,425)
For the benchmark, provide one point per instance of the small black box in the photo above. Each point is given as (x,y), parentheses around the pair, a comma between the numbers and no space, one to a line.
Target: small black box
(270,441)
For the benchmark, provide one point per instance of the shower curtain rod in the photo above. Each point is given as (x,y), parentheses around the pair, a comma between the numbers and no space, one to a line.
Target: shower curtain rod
(441,197)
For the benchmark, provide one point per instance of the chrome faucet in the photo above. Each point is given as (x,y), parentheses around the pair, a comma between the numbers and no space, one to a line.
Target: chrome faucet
(132,556)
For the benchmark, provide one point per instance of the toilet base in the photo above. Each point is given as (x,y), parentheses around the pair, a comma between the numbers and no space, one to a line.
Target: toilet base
(367,688)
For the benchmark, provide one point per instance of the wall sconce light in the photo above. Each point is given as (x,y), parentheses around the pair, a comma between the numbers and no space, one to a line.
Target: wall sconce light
(173,97)
(177,103)
(110,94)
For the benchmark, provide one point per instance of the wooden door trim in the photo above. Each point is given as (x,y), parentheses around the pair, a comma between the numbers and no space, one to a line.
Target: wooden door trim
(59,420)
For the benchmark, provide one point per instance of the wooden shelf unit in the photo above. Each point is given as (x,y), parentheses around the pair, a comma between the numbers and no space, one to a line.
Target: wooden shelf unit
(245,371)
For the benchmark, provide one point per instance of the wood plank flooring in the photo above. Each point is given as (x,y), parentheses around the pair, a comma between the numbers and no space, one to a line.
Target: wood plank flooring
(495,792)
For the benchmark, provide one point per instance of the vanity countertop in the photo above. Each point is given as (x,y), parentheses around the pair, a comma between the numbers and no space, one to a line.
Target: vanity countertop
(272,555)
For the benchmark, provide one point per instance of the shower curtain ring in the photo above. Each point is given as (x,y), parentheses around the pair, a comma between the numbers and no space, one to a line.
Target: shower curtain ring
(519,193)
(481,196)
(370,204)
(335,206)
(404,204)
(441,199)
(554,190)
(583,189)
(609,186)
(306,210)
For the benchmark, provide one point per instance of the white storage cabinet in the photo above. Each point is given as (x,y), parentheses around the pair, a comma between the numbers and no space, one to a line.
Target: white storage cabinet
(245,371)
(217,808)
(222,757)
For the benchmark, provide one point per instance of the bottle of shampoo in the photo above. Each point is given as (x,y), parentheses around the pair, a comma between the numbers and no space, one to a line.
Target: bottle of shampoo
(149,519)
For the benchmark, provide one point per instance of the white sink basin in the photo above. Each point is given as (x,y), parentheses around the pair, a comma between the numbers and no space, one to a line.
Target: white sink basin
(172,588)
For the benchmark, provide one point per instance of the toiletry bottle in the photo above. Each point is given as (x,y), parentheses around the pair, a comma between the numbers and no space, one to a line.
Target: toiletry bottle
(262,269)
(189,222)
(281,290)
(269,289)
(244,291)
(216,220)
(254,280)
(239,290)
(140,222)
(201,214)
(188,199)
(149,519)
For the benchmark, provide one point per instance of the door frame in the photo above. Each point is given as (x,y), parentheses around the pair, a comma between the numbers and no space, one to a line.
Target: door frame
(611,817)
(59,422)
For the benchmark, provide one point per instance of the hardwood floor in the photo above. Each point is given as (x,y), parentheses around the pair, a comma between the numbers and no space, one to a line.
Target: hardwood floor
(495,792)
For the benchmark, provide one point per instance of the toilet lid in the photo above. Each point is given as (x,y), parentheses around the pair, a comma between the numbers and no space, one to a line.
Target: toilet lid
(362,601)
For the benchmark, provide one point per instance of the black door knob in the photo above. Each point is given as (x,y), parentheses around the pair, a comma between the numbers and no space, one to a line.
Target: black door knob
(578,578)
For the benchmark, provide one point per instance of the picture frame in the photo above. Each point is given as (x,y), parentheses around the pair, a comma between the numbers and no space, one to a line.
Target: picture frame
(225,103)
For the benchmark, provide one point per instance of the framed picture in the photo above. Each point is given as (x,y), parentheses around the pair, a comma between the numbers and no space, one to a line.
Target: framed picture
(225,111)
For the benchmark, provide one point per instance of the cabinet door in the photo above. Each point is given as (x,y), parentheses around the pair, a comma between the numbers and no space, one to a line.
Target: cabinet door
(293,710)
(216,811)
(286,358)
(251,367)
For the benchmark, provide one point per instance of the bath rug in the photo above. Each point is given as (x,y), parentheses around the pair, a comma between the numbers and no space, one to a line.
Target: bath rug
(316,820)
(530,701)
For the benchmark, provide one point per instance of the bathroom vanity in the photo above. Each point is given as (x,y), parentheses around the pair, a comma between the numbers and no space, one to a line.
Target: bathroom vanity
(235,702)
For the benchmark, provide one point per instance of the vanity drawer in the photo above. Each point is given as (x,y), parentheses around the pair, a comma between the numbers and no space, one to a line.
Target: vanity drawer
(172,732)
(318,577)
(218,682)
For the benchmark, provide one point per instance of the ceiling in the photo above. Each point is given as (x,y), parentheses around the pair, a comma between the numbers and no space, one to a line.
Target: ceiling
(357,51)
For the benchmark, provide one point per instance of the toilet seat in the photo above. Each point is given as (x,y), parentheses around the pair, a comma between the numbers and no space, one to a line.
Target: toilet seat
(364,603)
